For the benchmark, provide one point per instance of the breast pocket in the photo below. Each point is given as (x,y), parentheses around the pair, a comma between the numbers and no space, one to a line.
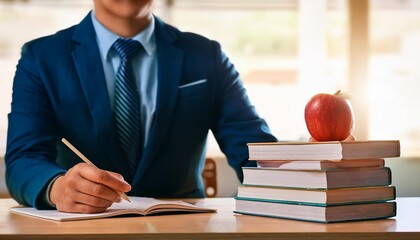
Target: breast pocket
(190,106)
(193,89)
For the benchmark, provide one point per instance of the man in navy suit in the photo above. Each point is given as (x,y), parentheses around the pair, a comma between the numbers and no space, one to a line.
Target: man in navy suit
(64,87)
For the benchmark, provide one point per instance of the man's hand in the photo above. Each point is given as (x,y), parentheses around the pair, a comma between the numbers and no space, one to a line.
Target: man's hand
(87,189)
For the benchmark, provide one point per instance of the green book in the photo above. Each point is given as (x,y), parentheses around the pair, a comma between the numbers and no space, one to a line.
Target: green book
(322,197)
(315,212)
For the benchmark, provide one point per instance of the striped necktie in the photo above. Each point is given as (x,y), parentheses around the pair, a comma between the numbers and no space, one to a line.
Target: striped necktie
(127,103)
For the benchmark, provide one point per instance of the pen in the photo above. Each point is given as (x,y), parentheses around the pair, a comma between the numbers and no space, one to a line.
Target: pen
(86,160)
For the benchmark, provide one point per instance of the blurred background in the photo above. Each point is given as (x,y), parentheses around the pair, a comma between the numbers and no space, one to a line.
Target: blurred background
(286,52)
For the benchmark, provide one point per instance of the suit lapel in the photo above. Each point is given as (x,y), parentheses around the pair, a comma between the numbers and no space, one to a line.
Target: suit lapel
(89,67)
(170,60)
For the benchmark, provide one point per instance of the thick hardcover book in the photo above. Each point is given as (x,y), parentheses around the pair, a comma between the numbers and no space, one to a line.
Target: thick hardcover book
(321,165)
(322,197)
(337,213)
(324,179)
(138,206)
(329,150)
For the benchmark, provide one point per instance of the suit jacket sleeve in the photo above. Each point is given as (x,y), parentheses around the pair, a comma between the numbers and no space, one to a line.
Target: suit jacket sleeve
(237,122)
(32,135)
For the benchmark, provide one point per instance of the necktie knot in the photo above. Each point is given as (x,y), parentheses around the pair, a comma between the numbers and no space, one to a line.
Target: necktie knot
(126,48)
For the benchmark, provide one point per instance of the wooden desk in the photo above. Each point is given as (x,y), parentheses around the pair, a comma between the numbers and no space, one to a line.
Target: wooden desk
(221,225)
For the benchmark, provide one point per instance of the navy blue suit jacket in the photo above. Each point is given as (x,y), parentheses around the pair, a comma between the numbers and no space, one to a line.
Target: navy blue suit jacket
(59,91)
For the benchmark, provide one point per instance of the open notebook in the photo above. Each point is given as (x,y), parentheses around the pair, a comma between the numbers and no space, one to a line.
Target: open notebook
(139,205)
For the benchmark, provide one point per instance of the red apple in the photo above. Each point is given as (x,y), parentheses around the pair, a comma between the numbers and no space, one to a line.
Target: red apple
(329,117)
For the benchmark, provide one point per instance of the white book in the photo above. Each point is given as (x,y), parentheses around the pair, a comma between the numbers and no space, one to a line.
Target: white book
(321,164)
(328,150)
(321,179)
(139,206)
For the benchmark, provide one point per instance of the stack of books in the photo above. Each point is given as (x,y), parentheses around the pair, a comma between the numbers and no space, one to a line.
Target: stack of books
(319,181)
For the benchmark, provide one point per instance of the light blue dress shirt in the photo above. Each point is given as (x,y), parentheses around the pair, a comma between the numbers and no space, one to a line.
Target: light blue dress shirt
(144,65)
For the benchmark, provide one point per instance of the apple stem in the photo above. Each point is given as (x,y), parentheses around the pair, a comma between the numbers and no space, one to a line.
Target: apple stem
(337,93)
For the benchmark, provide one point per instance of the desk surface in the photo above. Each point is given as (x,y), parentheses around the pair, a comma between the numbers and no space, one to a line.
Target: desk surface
(222,225)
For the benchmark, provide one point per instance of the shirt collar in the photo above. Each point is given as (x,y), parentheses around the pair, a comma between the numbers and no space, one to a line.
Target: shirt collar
(106,38)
